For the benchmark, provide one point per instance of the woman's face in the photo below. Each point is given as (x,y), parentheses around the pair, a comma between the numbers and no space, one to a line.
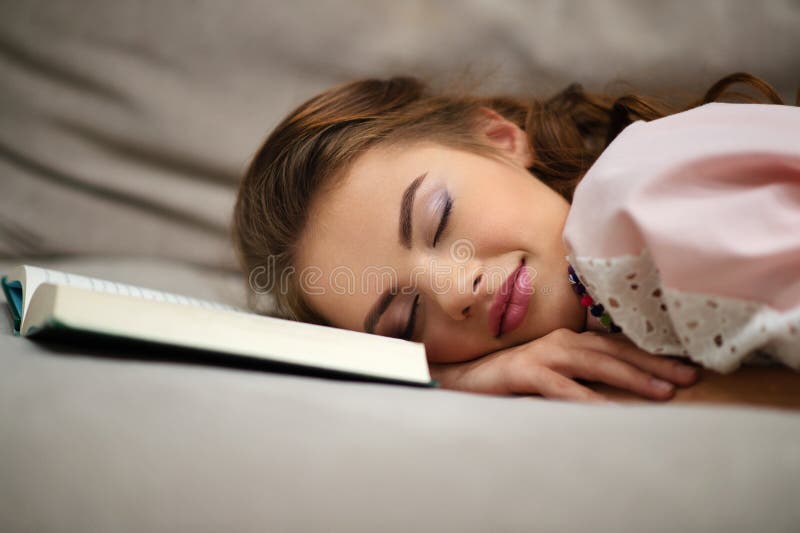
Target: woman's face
(418,242)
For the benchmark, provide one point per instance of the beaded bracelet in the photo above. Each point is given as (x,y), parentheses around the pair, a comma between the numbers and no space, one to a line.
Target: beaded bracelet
(597,310)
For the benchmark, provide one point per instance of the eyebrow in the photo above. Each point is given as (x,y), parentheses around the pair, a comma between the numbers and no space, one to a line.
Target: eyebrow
(406,209)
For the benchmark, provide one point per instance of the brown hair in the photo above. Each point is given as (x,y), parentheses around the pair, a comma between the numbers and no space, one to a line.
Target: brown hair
(317,143)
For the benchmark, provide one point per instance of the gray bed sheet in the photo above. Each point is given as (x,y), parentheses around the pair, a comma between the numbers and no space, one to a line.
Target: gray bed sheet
(90,442)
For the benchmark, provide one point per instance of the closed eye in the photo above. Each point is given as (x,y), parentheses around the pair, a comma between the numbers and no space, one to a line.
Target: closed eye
(412,320)
(408,332)
(443,222)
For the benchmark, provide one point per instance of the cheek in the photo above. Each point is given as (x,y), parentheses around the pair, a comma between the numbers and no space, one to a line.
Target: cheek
(493,228)
(448,344)
(505,217)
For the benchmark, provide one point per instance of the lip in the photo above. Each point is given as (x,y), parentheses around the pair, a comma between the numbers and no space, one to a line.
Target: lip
(510,305)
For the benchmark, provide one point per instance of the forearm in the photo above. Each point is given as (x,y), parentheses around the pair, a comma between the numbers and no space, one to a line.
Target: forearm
(481,375)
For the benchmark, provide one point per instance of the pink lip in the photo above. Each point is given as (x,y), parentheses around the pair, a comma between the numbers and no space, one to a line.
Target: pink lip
(511,303)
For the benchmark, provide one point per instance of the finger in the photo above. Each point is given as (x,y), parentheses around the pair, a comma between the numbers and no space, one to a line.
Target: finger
(551,384)
(666,368)
(598,366)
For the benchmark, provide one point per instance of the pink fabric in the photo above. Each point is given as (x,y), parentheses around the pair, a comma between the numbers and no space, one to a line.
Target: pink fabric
(714,195)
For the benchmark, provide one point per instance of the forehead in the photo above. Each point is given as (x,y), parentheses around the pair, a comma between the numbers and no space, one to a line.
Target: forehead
(380,173)
(369,191)
(350,244)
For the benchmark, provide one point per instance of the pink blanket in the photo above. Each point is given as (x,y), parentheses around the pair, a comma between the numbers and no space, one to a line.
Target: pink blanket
(687,230)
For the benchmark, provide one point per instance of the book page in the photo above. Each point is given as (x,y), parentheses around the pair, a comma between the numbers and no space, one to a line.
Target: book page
(220,331)
(80,304)
(35,276)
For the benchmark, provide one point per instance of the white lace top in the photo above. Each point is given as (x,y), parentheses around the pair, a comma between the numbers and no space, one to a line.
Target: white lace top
(687,231)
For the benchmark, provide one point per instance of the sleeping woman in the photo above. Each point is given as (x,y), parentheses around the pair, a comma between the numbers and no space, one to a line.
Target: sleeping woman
(537,245)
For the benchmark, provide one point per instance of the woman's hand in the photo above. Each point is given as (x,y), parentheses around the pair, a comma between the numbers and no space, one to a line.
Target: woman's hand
(548,366)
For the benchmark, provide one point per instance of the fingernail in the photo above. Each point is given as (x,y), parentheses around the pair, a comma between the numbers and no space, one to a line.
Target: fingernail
(661,385)
(688,372)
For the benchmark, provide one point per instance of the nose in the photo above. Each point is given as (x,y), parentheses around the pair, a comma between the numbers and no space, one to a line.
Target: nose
(455,287)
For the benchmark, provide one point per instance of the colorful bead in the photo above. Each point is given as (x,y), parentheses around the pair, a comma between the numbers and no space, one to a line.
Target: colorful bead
(597,310)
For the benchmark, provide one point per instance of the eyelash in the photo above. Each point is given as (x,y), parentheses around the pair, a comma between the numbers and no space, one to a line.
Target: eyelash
(448,207)
(409,331)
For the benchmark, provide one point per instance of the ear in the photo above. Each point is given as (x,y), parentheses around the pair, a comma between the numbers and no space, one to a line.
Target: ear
(507,136)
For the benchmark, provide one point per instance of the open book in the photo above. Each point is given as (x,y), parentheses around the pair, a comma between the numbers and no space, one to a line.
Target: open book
(47,303)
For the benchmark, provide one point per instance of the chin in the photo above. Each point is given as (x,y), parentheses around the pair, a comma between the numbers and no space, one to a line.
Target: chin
(570,315)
